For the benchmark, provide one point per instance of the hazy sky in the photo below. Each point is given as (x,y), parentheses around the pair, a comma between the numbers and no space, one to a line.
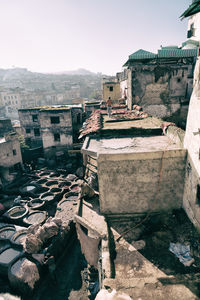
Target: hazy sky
(99,35)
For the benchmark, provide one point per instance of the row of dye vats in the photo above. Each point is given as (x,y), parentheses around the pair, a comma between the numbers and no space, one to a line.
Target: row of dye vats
(31,208)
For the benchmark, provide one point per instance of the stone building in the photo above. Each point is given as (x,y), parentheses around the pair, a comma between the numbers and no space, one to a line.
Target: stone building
(161,83)
(135,163)
(111,88)
(191,201)
(10,157)
(90,107)
(52,127)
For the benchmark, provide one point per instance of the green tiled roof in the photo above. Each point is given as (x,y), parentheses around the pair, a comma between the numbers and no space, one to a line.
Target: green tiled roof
(142,54)
(165,52)
(192,9)
(191,42)
(177,53)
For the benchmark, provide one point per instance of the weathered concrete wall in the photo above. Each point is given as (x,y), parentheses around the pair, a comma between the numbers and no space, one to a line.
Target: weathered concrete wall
(27,123)
(9,158)
(162,90)
(141,182)
(48,129)
(195,20)
(63,128)
(192,144)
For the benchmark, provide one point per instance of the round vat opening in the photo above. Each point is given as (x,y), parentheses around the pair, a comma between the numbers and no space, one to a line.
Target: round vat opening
(65,184)
(41,181)
(17,212)
(6,232)
(50,183)
(71,196)
(8,255)
(54,175)
(19,237)
(45,173)
(28,188)
(36,217)
(47,197)
(36,203)
(55,190)
(43,189)
(75,188)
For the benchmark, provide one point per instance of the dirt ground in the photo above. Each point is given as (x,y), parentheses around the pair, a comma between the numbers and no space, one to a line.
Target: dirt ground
(153,237)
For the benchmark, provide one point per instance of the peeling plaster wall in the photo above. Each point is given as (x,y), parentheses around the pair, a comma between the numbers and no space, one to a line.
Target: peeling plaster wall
(7,158)
(26,121)
(162,90)
(63,128)
(195,19)
(129,183)
(192,144)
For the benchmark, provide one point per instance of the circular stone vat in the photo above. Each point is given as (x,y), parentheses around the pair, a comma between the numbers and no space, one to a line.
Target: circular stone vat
(19,237)
(29,188)
(4,244)
(17,212)
(6,232)
(50,183)
(36,217)
(43,189)
(17,281)
(6,258)
(72,194)
(54,175)
(55,190)
(41,181)
(64,184)
(36,203)
(45,173)
(48,197)
(75,188)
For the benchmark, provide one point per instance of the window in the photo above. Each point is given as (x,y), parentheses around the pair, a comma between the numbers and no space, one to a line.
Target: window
(79,118)
(198,194)
(35,118)
(55,120)
(5,97)
(28,130)
(56,137)
(14,152)
(191,31)
(111,88)
(36,131)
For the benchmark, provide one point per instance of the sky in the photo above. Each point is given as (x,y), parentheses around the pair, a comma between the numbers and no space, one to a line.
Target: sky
(98,35)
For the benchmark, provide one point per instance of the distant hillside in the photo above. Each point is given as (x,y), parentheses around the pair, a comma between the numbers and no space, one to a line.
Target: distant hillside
(77,72)
(22,78)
